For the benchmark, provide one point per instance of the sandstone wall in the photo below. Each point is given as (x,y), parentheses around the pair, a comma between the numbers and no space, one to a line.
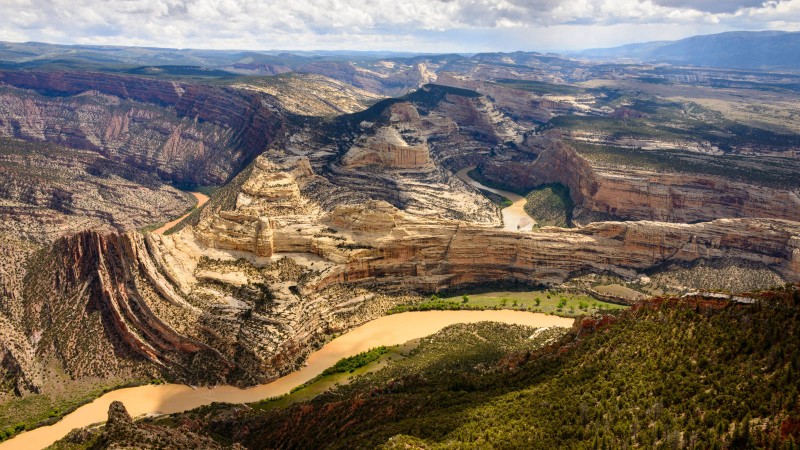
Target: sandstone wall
(640,195)
(436,257)
(195,134)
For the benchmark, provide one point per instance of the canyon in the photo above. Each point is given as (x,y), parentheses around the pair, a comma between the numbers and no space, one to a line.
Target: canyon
(327,205)
(169,399)
(604,191)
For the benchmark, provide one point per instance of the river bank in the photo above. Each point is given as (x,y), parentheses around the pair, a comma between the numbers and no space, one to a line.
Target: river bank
(201,200)
(514,216)
(171,398)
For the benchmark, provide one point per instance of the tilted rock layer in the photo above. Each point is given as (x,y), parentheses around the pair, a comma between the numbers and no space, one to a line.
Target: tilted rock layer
(333,224)
(249,291)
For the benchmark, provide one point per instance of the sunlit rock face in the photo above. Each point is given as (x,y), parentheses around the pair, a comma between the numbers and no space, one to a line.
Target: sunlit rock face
(330,223)
(186,133)
(605,191)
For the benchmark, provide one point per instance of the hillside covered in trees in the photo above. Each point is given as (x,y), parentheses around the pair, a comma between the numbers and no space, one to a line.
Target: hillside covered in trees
(667,373)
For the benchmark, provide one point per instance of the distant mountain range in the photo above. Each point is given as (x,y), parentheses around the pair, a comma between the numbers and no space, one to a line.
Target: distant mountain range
(33,54)
(737,49)
(767,50)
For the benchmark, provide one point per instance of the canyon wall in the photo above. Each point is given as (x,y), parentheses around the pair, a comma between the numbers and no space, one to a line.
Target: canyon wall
(187,133)
(177,303)
(634,194)
(441,257)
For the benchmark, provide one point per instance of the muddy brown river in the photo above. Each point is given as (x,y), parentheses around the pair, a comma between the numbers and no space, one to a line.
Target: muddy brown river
(514,217)
(171,398)
(201,200)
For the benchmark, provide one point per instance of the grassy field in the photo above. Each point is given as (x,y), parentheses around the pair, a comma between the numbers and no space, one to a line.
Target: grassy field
(556,302)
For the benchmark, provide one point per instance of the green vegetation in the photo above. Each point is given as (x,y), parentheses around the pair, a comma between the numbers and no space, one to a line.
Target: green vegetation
(352,363)
(497,199)
(772,172)
(455,353)
(680,373)
(654,80)
(541,87)
(428,97)
(208,190)
(550,205)
(177,72)
(476,175)
(152,227)
(556,302)
(658,119)
(616,128)
(36,410)
(331,379)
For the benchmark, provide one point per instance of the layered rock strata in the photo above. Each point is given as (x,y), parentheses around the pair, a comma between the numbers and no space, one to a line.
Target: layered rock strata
(403,152)
(185,299)
(48,191)
(634,194)
(187,133)
(308,242)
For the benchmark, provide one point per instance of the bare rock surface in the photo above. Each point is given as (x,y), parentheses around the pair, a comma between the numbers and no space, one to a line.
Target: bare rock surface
(324,223)
(602,191)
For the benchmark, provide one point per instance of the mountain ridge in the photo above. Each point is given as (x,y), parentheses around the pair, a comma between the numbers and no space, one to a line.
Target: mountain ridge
(734,49)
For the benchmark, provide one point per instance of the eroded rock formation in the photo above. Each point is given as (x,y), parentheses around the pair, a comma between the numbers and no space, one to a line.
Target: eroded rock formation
(334,224)
(250,290)
(187,133)
(606,191)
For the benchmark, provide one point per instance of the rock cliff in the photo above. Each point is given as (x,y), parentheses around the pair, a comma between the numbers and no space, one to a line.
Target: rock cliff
(187,133)
(248,305)
(606,191)
(312,94)
(404,151)
(48,191)
(330,223)
(286,277)
(120,431)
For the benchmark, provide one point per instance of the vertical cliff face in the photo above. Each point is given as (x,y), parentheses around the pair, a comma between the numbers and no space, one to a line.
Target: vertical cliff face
(632,194)
(245,294)
(441,256)
(202,311)
(189,134)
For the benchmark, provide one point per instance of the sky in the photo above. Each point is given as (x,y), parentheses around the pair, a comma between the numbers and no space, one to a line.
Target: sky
(436,26)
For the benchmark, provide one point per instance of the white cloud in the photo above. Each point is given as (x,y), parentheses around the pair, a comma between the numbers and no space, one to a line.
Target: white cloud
(421,25)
